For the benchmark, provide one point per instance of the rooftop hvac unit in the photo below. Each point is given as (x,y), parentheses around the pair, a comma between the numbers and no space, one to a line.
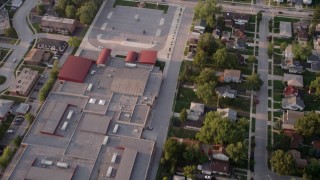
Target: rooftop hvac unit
(130,65)
(62,165)
(70,114)
(127,115)
(114,157)
(92,101)
(92,72)
(89,87)
(109,75)
(102,102)
(64,126)
(115,129)
(46,162)
(105,140)
(109,171)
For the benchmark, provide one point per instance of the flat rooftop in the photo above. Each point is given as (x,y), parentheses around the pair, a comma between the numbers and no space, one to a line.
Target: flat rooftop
(106,119)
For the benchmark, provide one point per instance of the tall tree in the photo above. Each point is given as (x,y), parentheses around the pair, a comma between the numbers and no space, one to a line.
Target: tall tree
(30,118)
(313,169)
(220,57)
(74,41)
(220,130)
(316,15)
(238,151)
(283,46)
(200,59)
(301,52)
(252,59)
(254,82)
(172,151)
(270,49)
(282,162)
(308,125)
(208,10)
(206,91)
(315,84)
(87,12)
(183,115)
(231,61)
(189,172)
(60,6)
(71,11)
(208,44)
(206,75)
(192,154)
(41,10)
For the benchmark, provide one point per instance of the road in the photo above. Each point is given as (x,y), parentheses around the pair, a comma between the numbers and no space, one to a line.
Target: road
(25,35)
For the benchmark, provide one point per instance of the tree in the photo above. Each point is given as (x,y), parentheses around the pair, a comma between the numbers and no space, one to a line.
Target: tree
(270,49)
(205,91)
(231,61)
(315,84)
(183,115)
(172,151)
(193,155)
(41,10)
(30,118)
(309,124)
(74,41)
(238,151)
(301,52)
(220,57)
(71,11)
(254,82)
(200,58)
(87,12)
(208,44)
(283,142)
(312,170)
(165,178)
(283,46)
(252,59)
(5,157)
(208,10)
(17,141)
(220,130)
(282,162)
(206,75)
(188,171)
(60,6)
(316,15)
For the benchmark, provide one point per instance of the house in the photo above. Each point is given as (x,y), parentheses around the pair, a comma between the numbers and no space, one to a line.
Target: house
(239,34)
(4,20)
(291,66)
(24,82)
(216,167)
(296,139)
(225,35)
(47,2)
(232,75)
(51,45)
(226,92)
(288,54)
(317,30)
(300,25)
(194,38)
(196,111)
(228,113)
(293,103)
(290,91)
(23,108)
(293,80)
(285,30)
(200,25)
(316,147)
(218,152)
(240,18)
(240,45)
(34,56)
(231,44)
(58,25)
(303,36)
(228,19)
(307,2)
(314,61)
(300,163)
(5,108)
(289,119)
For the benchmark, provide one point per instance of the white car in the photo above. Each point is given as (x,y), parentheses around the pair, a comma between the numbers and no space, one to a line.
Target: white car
(207,177)
(10,131)
(100,47)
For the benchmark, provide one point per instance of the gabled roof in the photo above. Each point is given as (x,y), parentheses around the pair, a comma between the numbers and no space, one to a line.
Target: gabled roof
(225,89)
(285,29)
(293,80)
(34,55)
(232,73)
(300,163)
(296,139)
(104,56)
(217,166)
(290,91)
(75,69)
(228,113)
(131,57)
(197,107)
(293,101)
(148,57)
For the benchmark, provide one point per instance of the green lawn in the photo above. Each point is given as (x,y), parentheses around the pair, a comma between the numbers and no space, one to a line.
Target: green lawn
(181,133)
(35,68)
(277,97)
(36,26)
(286,19)
(276,105)
(187,95)
(239,104)
(278,41)
(251,27)
(277,59)
(278,86)
(277,70)
(180,105)
(308,77)
(147,5)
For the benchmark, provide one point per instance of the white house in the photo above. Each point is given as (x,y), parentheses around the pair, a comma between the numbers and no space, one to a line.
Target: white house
(293,103)
(200,25)
(226,92)
(196,111)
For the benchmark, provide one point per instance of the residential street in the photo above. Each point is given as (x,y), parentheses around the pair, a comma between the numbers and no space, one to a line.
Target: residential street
(25,35)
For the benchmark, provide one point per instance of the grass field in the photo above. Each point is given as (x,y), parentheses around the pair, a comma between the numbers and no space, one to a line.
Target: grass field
(147,5)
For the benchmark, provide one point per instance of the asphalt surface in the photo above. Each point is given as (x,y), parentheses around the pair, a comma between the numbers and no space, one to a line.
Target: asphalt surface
(25,35)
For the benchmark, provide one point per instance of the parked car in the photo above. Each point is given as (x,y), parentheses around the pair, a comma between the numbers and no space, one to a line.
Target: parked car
(17,122)
(10,131)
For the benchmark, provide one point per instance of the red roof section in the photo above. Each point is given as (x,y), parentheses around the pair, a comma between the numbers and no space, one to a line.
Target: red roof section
(148,57)
(75,69)
(104,56)
(131,56)
(296,139)
(290,91)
